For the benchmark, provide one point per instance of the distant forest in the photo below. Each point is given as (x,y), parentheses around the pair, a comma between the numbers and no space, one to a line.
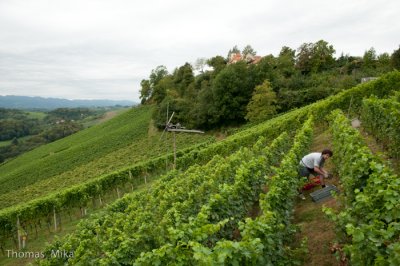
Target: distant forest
(243,86)
(22,131)
(26,102)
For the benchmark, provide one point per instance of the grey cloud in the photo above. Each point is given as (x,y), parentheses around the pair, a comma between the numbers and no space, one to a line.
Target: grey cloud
(95,49)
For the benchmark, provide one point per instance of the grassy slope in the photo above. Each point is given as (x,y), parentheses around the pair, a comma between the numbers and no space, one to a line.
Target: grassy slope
(96,119)
(74,150)
(121,141)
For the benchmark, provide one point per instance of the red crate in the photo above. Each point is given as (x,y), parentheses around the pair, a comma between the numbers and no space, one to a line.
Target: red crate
(314,181)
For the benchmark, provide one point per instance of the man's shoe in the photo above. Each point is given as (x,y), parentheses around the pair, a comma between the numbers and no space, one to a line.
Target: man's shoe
(301,196)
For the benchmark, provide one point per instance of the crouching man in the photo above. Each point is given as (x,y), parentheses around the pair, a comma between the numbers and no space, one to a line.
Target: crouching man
(313,164)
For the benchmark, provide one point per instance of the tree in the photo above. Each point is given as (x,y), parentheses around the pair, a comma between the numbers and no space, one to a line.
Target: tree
(183,77)
(161,89)
(217,63)
(286,61)
(369,58)
(232,89)
(145,91)
(200,64)
(248,50)
(303,58)
(315,57)
(148,87)
(266,68)
(342,60)
(322,56)
(204,112)
(262,105)
(395,59)
(234,50)
(383,63)
(158,74)
(15,141)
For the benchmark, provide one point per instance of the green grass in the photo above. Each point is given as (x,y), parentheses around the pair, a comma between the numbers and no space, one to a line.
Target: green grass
(5,143)
(124,140)
(97,119)
(37,115)
(8,142)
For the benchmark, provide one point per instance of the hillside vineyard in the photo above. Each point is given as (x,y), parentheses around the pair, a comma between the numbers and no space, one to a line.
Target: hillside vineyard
(198,213)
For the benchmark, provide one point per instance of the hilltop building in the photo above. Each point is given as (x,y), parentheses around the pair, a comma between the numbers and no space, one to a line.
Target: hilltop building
(250,59)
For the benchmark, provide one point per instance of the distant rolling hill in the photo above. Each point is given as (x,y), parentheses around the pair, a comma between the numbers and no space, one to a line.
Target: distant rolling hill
(26,102)
(126,139)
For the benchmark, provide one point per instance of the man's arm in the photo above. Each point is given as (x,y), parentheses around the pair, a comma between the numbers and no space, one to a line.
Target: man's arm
(322,173)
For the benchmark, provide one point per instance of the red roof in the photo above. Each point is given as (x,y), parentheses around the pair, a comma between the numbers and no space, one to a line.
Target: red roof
(235,58)
(250,59)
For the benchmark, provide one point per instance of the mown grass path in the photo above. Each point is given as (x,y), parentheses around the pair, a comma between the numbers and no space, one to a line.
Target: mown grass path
(313,223)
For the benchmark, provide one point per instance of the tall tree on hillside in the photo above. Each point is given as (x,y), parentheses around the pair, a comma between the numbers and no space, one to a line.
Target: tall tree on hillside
(304,58)
(248,50)
(162,88)
(395,59)
(322,56)
(370,58)
(234,50)
(217,63)
(183,77)
(148,87)
(262,105)
(145,91)
(342,60)
(232,90)
(286,61)
(164,95)
(158,74)
(315,57)
(204,112)
(265,69)
(383,63)
(200,64)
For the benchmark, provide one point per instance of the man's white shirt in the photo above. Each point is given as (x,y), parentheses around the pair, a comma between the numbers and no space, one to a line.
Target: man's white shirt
(312,160)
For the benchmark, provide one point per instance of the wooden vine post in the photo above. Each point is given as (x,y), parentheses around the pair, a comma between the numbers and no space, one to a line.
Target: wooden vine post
(348,111)
(131,178)
(174,165)
(18,233)
(55,218)
(36,231)
(23,241)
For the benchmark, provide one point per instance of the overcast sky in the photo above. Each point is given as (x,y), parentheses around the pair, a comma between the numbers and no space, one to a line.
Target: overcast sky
(98,49)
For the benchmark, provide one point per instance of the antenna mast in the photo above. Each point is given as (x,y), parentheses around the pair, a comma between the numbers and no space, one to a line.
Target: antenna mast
(169,127)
